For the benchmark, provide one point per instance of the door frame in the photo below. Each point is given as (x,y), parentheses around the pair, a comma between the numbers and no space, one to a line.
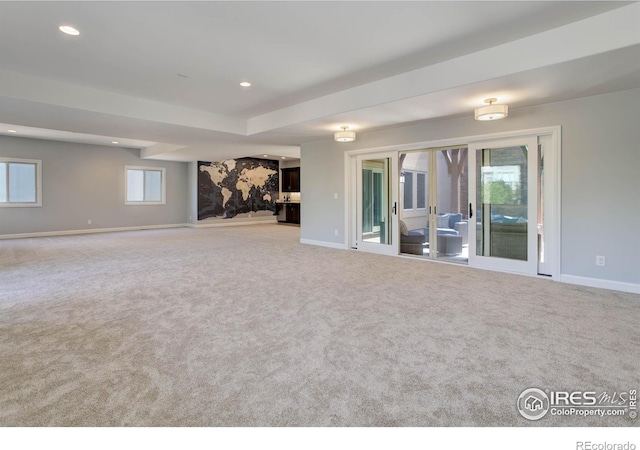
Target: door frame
(551,136)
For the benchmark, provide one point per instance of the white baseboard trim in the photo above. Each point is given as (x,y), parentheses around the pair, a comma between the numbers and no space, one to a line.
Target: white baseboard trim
(336,245)
(229,223)
(600,283)
(90,231)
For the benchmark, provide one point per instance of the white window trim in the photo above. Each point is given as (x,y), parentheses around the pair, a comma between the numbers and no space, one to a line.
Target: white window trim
(38,202)
(142,203)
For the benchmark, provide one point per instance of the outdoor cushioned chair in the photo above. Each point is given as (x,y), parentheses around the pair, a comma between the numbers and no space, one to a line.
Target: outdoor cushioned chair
(411,242)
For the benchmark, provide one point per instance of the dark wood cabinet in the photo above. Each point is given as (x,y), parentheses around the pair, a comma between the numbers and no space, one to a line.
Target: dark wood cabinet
(291,179)
(292,212)
(289,212)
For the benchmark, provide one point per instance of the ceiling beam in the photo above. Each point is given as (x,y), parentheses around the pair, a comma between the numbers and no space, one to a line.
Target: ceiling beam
(599,34)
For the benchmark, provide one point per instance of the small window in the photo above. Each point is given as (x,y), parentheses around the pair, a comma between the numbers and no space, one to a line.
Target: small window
(145,185)
(421,190)
(408,190)
(20,182)
(414,190)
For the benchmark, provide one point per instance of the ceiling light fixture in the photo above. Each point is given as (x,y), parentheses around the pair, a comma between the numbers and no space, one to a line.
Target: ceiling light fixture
(284,157)
(266,156)
(115,142)
(344,135)
(491,111)
(245,84)
(67,29)
(12,131)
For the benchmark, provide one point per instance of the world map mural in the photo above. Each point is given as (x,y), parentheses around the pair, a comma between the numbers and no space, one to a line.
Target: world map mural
(236,186)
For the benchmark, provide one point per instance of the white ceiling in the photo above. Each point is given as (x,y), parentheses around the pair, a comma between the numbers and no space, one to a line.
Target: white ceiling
(164,76)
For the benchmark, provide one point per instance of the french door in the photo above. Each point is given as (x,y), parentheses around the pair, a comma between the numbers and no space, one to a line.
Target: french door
(503,204)
(376,212)
(433,186)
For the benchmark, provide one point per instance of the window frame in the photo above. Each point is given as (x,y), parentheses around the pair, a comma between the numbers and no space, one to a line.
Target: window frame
(414,193)
(144,169)
(38,181)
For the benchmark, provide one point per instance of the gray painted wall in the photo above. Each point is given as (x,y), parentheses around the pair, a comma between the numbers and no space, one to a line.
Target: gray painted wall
(82,182)
(600,182)
(322,176)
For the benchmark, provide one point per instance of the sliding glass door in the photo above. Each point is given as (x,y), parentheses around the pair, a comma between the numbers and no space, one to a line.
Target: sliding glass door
(376,203)
(434,190)
(503,208)
(492,203)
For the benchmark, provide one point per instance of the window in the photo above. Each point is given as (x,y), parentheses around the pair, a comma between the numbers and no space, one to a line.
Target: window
(408,190)
(415,190)
(145,185)
(20,182)
(421,190)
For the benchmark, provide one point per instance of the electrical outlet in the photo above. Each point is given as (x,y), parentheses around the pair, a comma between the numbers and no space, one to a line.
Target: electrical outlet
(335,231)
(335,196)
(599,260)
(189,217)
(89,221)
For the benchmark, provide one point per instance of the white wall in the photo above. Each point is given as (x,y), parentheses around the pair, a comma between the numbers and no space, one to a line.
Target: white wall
(600,182)
(82,182)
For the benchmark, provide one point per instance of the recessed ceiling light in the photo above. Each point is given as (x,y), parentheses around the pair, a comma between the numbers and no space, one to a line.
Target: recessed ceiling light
(115,142)
(266,156)
(284,157)
(67,29)
(12,131)
(245,84)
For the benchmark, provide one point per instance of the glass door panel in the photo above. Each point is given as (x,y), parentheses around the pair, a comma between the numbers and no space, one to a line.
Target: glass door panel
(450,212)
(501,177)
(504,205)
(434,202)
(375,200)
(415,183)
(376,212)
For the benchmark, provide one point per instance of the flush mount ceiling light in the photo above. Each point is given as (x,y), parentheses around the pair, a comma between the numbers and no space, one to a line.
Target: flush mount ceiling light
(344,135)
(245,84)
(68,29)
(12,131)
(115,142)
(491,111)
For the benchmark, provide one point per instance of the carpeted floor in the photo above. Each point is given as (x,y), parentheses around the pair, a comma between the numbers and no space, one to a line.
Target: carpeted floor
(244,326)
